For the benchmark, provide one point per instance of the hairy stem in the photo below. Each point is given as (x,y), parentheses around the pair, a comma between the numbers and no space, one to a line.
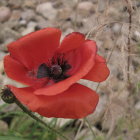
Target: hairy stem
(129,46)
(79,129)
(129,40)
(38,120)
(90,127)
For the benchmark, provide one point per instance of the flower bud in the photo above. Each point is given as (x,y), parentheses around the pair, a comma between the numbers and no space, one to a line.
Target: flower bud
(7,96)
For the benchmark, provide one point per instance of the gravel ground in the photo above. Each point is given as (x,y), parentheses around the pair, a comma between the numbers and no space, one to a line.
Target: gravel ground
(105,21)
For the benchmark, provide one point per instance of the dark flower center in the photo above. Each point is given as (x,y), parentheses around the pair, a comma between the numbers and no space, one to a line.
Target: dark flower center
(56,70)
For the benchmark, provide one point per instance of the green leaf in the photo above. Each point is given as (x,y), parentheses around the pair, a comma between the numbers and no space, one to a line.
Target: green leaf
(11,138)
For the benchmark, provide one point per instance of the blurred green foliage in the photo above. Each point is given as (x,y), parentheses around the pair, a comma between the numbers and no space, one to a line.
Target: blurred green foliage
(22,127)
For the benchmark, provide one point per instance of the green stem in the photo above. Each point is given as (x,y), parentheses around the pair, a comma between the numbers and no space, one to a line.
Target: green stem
(90,127)
(38,120)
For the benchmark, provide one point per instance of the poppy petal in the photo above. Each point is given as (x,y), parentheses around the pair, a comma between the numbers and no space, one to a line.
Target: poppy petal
(99,72)
(18,72)
(87,54)
(35,48)
(71,42)
(77,102)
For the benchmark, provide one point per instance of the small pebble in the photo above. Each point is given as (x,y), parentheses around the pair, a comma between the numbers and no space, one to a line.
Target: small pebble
(85,8)
(47,10)
(5,13)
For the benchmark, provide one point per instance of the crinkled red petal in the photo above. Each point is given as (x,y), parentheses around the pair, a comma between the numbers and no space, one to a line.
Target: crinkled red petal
(81,64)
(18,72)
(76,102)
(99,72)
(35,48)
(72,41)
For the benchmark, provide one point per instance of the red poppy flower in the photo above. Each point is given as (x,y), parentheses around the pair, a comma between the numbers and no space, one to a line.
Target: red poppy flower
(51,70)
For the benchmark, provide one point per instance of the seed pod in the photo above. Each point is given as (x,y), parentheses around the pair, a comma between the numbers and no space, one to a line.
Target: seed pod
(7,96)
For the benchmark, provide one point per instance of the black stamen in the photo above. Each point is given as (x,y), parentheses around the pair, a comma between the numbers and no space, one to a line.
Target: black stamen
(43,71)
(65,66)
(59,61)
(53,61)
(55,70)
(62,77)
